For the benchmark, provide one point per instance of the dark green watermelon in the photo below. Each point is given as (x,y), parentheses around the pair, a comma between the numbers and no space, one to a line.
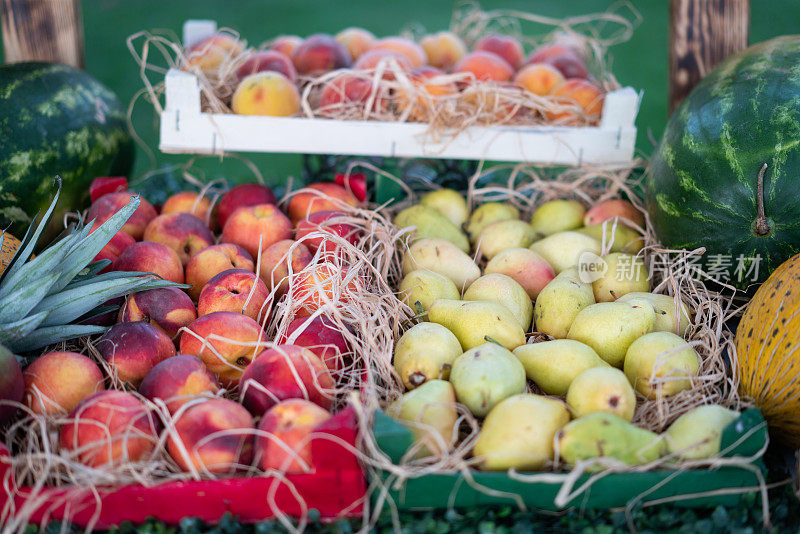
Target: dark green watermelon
(701,188)
(56,120)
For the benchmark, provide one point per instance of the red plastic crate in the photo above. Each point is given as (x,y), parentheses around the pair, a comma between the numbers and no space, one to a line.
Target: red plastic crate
(336,488)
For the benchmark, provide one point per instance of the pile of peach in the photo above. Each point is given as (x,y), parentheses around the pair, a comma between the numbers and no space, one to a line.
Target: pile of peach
(437,67)
(191,355)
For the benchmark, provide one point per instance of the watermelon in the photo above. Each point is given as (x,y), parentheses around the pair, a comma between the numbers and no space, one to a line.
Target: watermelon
(56,120)
(707,184)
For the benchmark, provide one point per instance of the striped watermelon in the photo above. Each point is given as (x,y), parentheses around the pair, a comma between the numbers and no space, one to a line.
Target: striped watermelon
(56,120)
(702,186)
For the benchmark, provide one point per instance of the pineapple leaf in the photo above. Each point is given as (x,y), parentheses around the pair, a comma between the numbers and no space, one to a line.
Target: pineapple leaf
(46,262)
(11,332)
(17,305)
(43,337)
(97,312)
(113,275)
(90,271)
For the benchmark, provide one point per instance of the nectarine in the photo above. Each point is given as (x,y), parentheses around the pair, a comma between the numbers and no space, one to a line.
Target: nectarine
(57,381)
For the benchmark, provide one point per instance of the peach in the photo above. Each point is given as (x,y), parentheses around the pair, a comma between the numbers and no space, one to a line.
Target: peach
(285,372)
(615,207)
(188,202)
(267,60)
(317,223)
(585,94)
(539,78)
(427,79)
(177,380)
(233,290)
(184,233)
(485,66)
(110,427)
(324,286)
(211,261)
(408,48)
(150,257)
(570,65)
(505,46)
(57,381)
(319,54)
(356,41)
(250,226)
(495,106)
(276,261)
(321,196)
(525,266)
(225,341)
(290,425)
(12,385)
(211,52)
(545,52)
(348,88)
(444,49)
(241,196)
(133,349)
(321,336)
(370,61)
(109,204)
(215,435)
(167,308)
(286,44)
(118,243)
(267,93)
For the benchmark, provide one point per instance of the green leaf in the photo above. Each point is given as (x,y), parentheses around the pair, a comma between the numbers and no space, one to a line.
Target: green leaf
(11,332)
(90,271)
(112,275)
(48,261)
(17,305)
(43,337)
(97,312)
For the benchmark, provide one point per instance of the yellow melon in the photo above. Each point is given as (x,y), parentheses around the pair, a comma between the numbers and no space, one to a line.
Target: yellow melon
(7,250)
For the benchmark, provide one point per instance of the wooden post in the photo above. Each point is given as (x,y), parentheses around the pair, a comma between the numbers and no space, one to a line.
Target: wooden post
(43,30)
(702,33)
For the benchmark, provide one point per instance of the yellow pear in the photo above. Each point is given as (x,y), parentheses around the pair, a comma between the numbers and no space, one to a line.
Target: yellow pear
(661,364)
(443,257)
(503,235)
(530,270)
(625,274)
(697,434)
(557,216)
(449,203)
(484,376)
(610,327)
(474,322)
(421,288)
(563,250)
(430,410)
(518,433)
(602,389)
(672,315)
(617,236)
(486,214)
(553,365)
(431,223)
(559,303)
(425,352)
(503,290)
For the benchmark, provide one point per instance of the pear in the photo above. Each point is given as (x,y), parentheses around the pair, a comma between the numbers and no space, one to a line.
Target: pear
(617,236)
(557,216)
(563,250)
(602,389)
(503,290)
(474,322)
(604,435)
(449,203)
(518,433)
(421,288)
(425,352)
(486,214)
(553,365)
(503,235)
(559,303)
(610,327)
(625,274)
(530,270)
(672,315)
(431,223)
(661,364)
(484,376)
(443,257)
(431,410)
(697,434)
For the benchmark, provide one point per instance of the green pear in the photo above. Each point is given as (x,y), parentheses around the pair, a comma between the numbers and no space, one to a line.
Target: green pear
(431,223)
(421,288)
(557,216)
(618,236)
(559,302)
(425,352)
(484,376)
(610,327)
(602,389)
(443,257)
(503,290)
(661,364)
(604,435)
(563,250)
(432,413)
(474,322)
(553,365)
(486,214)
(518,433)
(625,274)
(697,434)
(449,203)
(503,235)
(672,315)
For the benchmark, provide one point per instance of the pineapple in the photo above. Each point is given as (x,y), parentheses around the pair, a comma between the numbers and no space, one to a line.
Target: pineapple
(42,297)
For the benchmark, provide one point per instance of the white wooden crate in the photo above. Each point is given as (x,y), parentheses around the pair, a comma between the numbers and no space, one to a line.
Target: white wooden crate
(185,128)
